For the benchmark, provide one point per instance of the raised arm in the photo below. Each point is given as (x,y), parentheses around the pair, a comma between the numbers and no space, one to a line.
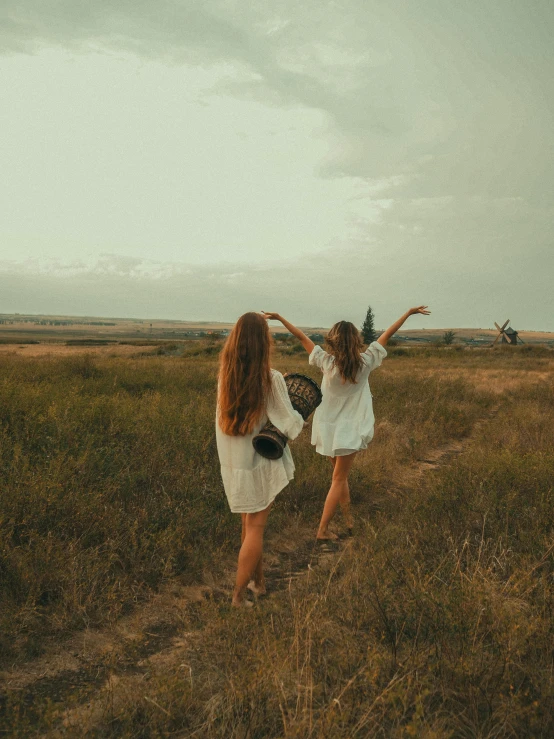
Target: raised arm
(385,336)
(307,343)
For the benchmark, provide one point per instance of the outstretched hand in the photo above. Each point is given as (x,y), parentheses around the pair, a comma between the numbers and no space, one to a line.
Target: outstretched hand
(420,309)
(307,343)
(386,335)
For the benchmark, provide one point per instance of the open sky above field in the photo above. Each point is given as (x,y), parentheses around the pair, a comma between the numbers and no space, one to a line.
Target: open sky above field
(194,160)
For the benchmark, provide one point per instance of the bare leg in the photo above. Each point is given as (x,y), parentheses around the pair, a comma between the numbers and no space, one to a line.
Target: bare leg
(250,555)
(257,585)
(338,493)
(345,506)
(243,529)
(344,500)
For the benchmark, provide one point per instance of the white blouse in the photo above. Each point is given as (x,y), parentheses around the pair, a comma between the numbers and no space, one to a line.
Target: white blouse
(251,481)
(344,422)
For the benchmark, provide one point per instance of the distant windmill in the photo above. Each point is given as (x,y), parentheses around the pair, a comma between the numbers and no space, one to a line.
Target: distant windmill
(509,336)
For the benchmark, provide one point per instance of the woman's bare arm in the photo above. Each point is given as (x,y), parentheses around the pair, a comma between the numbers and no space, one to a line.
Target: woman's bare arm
(385,336)
(307,343)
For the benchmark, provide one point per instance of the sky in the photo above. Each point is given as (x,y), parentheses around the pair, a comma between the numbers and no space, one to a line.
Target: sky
(195,160)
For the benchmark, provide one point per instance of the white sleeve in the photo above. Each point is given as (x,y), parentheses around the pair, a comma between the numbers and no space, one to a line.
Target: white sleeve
(374,355)
(320,358)
(280,411)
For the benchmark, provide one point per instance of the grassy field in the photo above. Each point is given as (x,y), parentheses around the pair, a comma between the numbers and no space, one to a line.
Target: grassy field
(55,330)
(435,621)
(40,334)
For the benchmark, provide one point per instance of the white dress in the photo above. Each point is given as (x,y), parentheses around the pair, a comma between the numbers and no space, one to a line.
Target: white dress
(344,421)
(251,481)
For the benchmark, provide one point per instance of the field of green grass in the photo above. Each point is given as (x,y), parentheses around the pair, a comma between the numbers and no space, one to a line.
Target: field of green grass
(435,621)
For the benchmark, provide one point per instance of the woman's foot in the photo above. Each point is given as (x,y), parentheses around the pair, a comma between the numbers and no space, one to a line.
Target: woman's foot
(239,599)
(348,534)
(326,536)
(258,589)
(349,523)
(328,545)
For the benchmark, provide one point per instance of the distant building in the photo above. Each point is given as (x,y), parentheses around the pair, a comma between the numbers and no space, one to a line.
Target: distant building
(509,336)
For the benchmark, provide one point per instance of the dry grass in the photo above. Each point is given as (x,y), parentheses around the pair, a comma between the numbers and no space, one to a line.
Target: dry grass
(62,350)
(435,622)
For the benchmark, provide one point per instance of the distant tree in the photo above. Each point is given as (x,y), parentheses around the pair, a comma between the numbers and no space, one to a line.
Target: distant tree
(281,337)
(368,328)
(448,337)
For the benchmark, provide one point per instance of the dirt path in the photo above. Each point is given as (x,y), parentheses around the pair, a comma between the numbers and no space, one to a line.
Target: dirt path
(78,676)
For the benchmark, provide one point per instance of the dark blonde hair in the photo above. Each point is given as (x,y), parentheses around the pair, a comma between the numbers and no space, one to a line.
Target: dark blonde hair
(244,375)
(345,344)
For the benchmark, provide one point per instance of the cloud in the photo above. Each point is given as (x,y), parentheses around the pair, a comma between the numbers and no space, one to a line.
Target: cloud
(472,280)
(446,109)
(407,89)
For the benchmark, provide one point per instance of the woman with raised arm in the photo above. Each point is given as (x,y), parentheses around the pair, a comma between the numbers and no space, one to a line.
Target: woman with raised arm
(344,422)
(250,393)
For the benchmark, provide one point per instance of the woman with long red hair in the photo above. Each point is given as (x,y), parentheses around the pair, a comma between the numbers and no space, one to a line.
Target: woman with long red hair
(249,394)
(343,424)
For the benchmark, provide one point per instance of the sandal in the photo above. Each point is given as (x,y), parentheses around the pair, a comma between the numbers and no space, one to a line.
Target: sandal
(329,545)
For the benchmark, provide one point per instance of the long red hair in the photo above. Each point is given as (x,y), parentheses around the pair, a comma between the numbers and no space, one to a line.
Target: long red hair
(244,375)
(345,344)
